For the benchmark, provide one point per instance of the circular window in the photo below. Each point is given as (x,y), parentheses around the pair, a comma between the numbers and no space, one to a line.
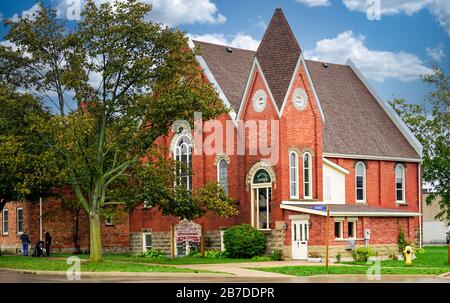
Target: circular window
(259,100)
(300,98)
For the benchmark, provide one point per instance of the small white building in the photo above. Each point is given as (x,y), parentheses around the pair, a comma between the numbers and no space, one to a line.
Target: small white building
(434,231)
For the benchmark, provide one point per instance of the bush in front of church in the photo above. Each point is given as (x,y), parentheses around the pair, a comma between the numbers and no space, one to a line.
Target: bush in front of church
(244,241)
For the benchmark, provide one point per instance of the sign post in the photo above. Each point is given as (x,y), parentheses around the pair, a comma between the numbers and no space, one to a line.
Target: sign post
(328,237)
(172,240)
(202,243)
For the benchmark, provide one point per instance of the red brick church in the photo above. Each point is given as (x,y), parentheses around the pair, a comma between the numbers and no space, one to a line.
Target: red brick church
(337,144)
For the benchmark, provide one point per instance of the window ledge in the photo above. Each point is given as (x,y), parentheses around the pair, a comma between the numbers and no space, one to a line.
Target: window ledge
(401,203)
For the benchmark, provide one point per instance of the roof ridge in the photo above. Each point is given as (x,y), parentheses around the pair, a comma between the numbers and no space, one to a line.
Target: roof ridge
(278,13)
(224,45)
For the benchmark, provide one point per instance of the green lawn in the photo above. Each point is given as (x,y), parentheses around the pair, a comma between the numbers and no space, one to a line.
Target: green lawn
(432,262)
(343,270)
(168,261)
(434,257)
(19,262)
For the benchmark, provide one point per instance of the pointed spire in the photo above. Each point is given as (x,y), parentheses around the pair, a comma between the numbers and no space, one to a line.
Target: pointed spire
(278,54)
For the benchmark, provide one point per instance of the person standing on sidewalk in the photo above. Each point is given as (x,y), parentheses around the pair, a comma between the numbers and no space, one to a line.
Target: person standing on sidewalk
(48,242)
(25,242)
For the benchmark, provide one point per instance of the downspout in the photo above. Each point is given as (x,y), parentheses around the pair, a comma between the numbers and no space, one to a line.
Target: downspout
(419,190)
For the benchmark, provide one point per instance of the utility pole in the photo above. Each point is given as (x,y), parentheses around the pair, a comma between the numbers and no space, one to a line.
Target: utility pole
(328,237)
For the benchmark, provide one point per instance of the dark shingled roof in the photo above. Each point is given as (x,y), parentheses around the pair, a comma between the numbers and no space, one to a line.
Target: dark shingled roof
(278,54)
(355,124)
(354,121)
(230,69)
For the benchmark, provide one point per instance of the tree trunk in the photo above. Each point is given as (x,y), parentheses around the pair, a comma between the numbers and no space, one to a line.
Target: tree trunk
(95,237)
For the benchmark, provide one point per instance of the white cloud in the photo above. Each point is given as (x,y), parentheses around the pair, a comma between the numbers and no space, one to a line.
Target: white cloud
(439,8)
(172,12)
(436,53)
(312,3)
(239,40)
(376,65)
(29,13)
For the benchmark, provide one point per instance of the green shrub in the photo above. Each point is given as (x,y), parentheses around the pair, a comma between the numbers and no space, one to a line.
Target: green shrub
(401,241)
(212,254)
(261,258)
(277,255)
(339,257)
(155,253)
(244,241)
(362,254)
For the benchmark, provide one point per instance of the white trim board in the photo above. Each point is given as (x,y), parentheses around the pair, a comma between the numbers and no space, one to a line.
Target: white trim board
(301,60)
(335,166)
(366,157)
(390,112)
(349,214)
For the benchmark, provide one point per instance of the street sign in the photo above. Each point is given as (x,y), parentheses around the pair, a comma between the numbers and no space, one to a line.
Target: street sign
(320,207)
(187,232)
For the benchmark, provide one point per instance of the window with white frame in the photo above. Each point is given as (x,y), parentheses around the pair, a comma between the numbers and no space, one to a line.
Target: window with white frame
(360,170)
(293,174)
(19,216)
(222,174)
(307,176)
(146,241)
(338,229)
(5,220)
(400,183)
(351,229)
(183,154)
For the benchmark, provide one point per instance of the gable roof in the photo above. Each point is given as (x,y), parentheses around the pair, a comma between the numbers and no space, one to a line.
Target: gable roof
(355,123)
(278,54)
(230,69)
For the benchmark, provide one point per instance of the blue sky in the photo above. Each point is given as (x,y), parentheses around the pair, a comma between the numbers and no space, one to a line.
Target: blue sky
(391,52)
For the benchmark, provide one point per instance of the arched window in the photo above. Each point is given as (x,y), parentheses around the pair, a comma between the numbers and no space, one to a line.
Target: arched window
(183,154)
(360,182)
(307,176)
(293,174)
(400,183)
(222,174)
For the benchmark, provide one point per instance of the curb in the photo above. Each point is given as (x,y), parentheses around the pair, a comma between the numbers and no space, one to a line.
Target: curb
(117,274)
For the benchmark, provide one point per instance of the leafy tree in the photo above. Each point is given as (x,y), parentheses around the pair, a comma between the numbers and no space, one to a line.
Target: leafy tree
(130,79)
(26,170)
(430,123)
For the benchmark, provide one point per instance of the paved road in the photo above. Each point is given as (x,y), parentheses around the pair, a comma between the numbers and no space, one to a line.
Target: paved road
(16,277)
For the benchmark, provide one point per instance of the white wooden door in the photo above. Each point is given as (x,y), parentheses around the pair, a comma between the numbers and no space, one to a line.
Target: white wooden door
(300,235)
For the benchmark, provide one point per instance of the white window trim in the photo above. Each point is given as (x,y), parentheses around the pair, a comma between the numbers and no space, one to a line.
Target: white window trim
(255,200)
(144,246)
(309,175)
(218,172)
(296,196)
(177,151)
(403,201)
(364,183)
(3,221)
(17,220)
(341,222)
(354,227)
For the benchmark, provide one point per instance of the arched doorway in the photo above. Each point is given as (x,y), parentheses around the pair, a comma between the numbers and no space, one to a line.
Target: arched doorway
(261,197)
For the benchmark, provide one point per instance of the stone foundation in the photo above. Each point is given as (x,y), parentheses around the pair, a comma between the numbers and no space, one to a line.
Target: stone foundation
(383,250)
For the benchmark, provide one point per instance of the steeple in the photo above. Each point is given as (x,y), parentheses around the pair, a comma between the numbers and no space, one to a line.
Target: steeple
(278,54)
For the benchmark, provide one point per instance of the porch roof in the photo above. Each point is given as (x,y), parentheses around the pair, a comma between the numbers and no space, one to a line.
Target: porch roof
(338,210)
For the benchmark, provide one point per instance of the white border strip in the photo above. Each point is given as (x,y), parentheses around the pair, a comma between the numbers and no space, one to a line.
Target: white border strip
(391,113)
(365,157)
(354,214)
(335,166)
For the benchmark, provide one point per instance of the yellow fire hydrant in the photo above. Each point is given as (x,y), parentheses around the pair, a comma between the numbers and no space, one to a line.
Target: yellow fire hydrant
(408,252)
